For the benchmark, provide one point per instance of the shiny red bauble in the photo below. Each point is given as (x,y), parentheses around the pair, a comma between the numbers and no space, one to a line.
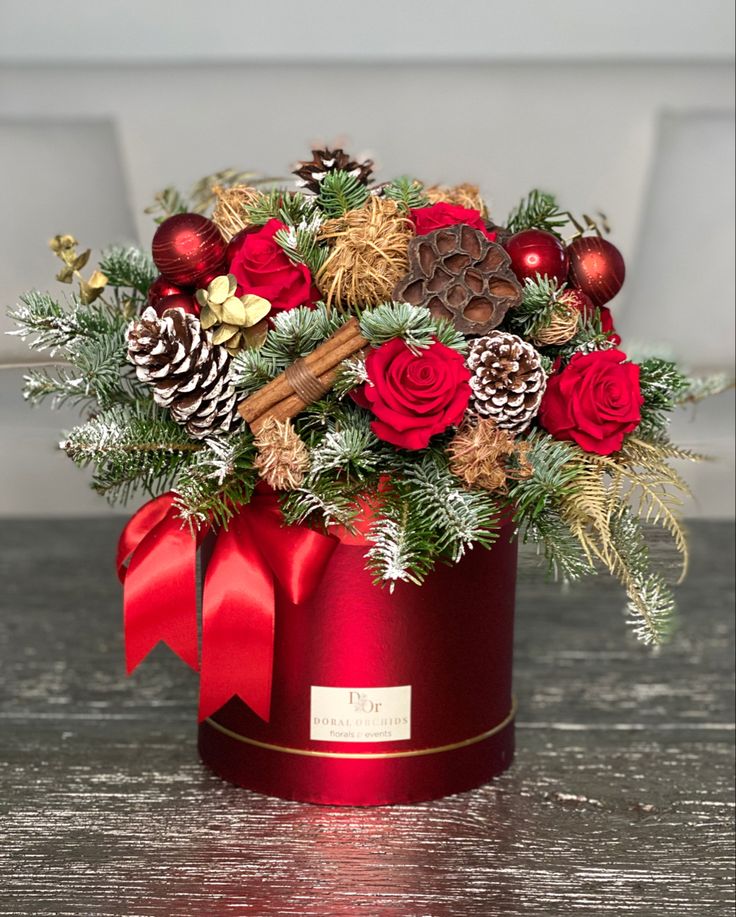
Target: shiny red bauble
(578,300)
(184,301)
(596,267)
(162,287)
(236,243)
(534,251)
(188,247)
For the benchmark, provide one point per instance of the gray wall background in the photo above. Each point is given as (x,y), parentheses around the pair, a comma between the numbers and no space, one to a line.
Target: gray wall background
(626,107)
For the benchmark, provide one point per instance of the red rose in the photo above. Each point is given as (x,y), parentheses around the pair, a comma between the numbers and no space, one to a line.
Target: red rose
(413,396)
(262,267)
(594,401)
(436,216)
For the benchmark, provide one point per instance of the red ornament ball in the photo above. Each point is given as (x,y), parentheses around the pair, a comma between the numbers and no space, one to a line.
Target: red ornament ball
(236,243)
(184,301)
(162,287)
(534,251)
(187,247)
(578,300)
(596,267)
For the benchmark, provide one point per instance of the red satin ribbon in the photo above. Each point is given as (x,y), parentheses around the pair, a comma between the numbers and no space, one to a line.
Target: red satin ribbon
(254,556)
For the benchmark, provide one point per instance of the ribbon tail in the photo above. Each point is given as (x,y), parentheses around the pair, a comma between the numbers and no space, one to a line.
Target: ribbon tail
(237,623)
(160,594)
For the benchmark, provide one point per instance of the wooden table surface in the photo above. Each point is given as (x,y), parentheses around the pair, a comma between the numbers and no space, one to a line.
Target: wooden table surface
(620,800)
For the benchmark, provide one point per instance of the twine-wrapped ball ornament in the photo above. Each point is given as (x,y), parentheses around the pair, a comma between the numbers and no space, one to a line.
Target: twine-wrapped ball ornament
(230,213)
(507,381)
(464,195)
(562,325)
(368,254)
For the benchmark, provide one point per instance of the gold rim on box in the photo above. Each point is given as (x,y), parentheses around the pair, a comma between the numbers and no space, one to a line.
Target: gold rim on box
(415,753)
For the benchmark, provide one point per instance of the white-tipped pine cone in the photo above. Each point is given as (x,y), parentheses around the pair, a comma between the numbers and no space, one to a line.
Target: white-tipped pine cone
(507,380)
(189,374)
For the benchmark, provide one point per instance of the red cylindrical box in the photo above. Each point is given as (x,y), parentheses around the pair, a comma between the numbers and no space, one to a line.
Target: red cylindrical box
(381,697)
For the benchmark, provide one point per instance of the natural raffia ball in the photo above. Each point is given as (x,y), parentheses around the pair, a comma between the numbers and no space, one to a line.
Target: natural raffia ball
(369,254)
(230,210)
(561,327)
(464,195)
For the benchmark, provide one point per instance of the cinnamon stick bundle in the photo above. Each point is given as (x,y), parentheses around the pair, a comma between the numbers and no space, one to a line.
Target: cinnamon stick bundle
(305,381)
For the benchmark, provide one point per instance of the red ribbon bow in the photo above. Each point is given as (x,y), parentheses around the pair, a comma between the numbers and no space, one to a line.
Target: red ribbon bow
(253,557)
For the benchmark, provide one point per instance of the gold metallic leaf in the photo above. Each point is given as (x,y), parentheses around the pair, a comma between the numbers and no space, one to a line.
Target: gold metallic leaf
(255,337)
(218,290)
(207,317)
(224,333)
(97,280)
(234,312)
(87,293)
(62,243)
(201,297)
(256,308)
(80,260)
(65,275)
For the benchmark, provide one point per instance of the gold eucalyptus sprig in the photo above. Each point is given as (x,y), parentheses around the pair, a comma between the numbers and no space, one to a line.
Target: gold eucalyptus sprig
(65,248)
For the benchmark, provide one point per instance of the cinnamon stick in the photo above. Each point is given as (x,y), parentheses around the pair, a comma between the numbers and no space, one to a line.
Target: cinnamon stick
(345,342)
(291,405)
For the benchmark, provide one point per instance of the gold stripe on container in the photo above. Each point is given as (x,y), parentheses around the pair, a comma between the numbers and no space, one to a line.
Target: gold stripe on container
(360,756)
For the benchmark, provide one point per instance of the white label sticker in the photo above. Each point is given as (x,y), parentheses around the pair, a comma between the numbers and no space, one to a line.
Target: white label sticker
(360,714)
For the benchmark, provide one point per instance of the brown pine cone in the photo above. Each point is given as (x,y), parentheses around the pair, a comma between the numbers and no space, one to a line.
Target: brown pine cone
(312,173)
(507,380)
(457,273)
(189,374)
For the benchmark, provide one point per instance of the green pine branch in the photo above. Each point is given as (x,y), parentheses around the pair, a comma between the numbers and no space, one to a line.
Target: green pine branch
(540,301)
(651,604)
(399,551)
(415,324)
(565,558)
(457,517)
(46,324)
(408,193)
(340,192)
(663,387)
(302,246)
(219,478)
(135,448)
(350,449)
(555,470)
(129,267)
(88,339)
(289,207)
(324,500)
(538,210)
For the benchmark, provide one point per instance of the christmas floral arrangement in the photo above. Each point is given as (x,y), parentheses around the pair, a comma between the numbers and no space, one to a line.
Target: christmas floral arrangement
(343,384)
(385,357)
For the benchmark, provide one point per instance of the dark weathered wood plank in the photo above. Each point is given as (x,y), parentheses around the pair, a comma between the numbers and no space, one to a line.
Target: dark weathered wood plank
(620,800)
